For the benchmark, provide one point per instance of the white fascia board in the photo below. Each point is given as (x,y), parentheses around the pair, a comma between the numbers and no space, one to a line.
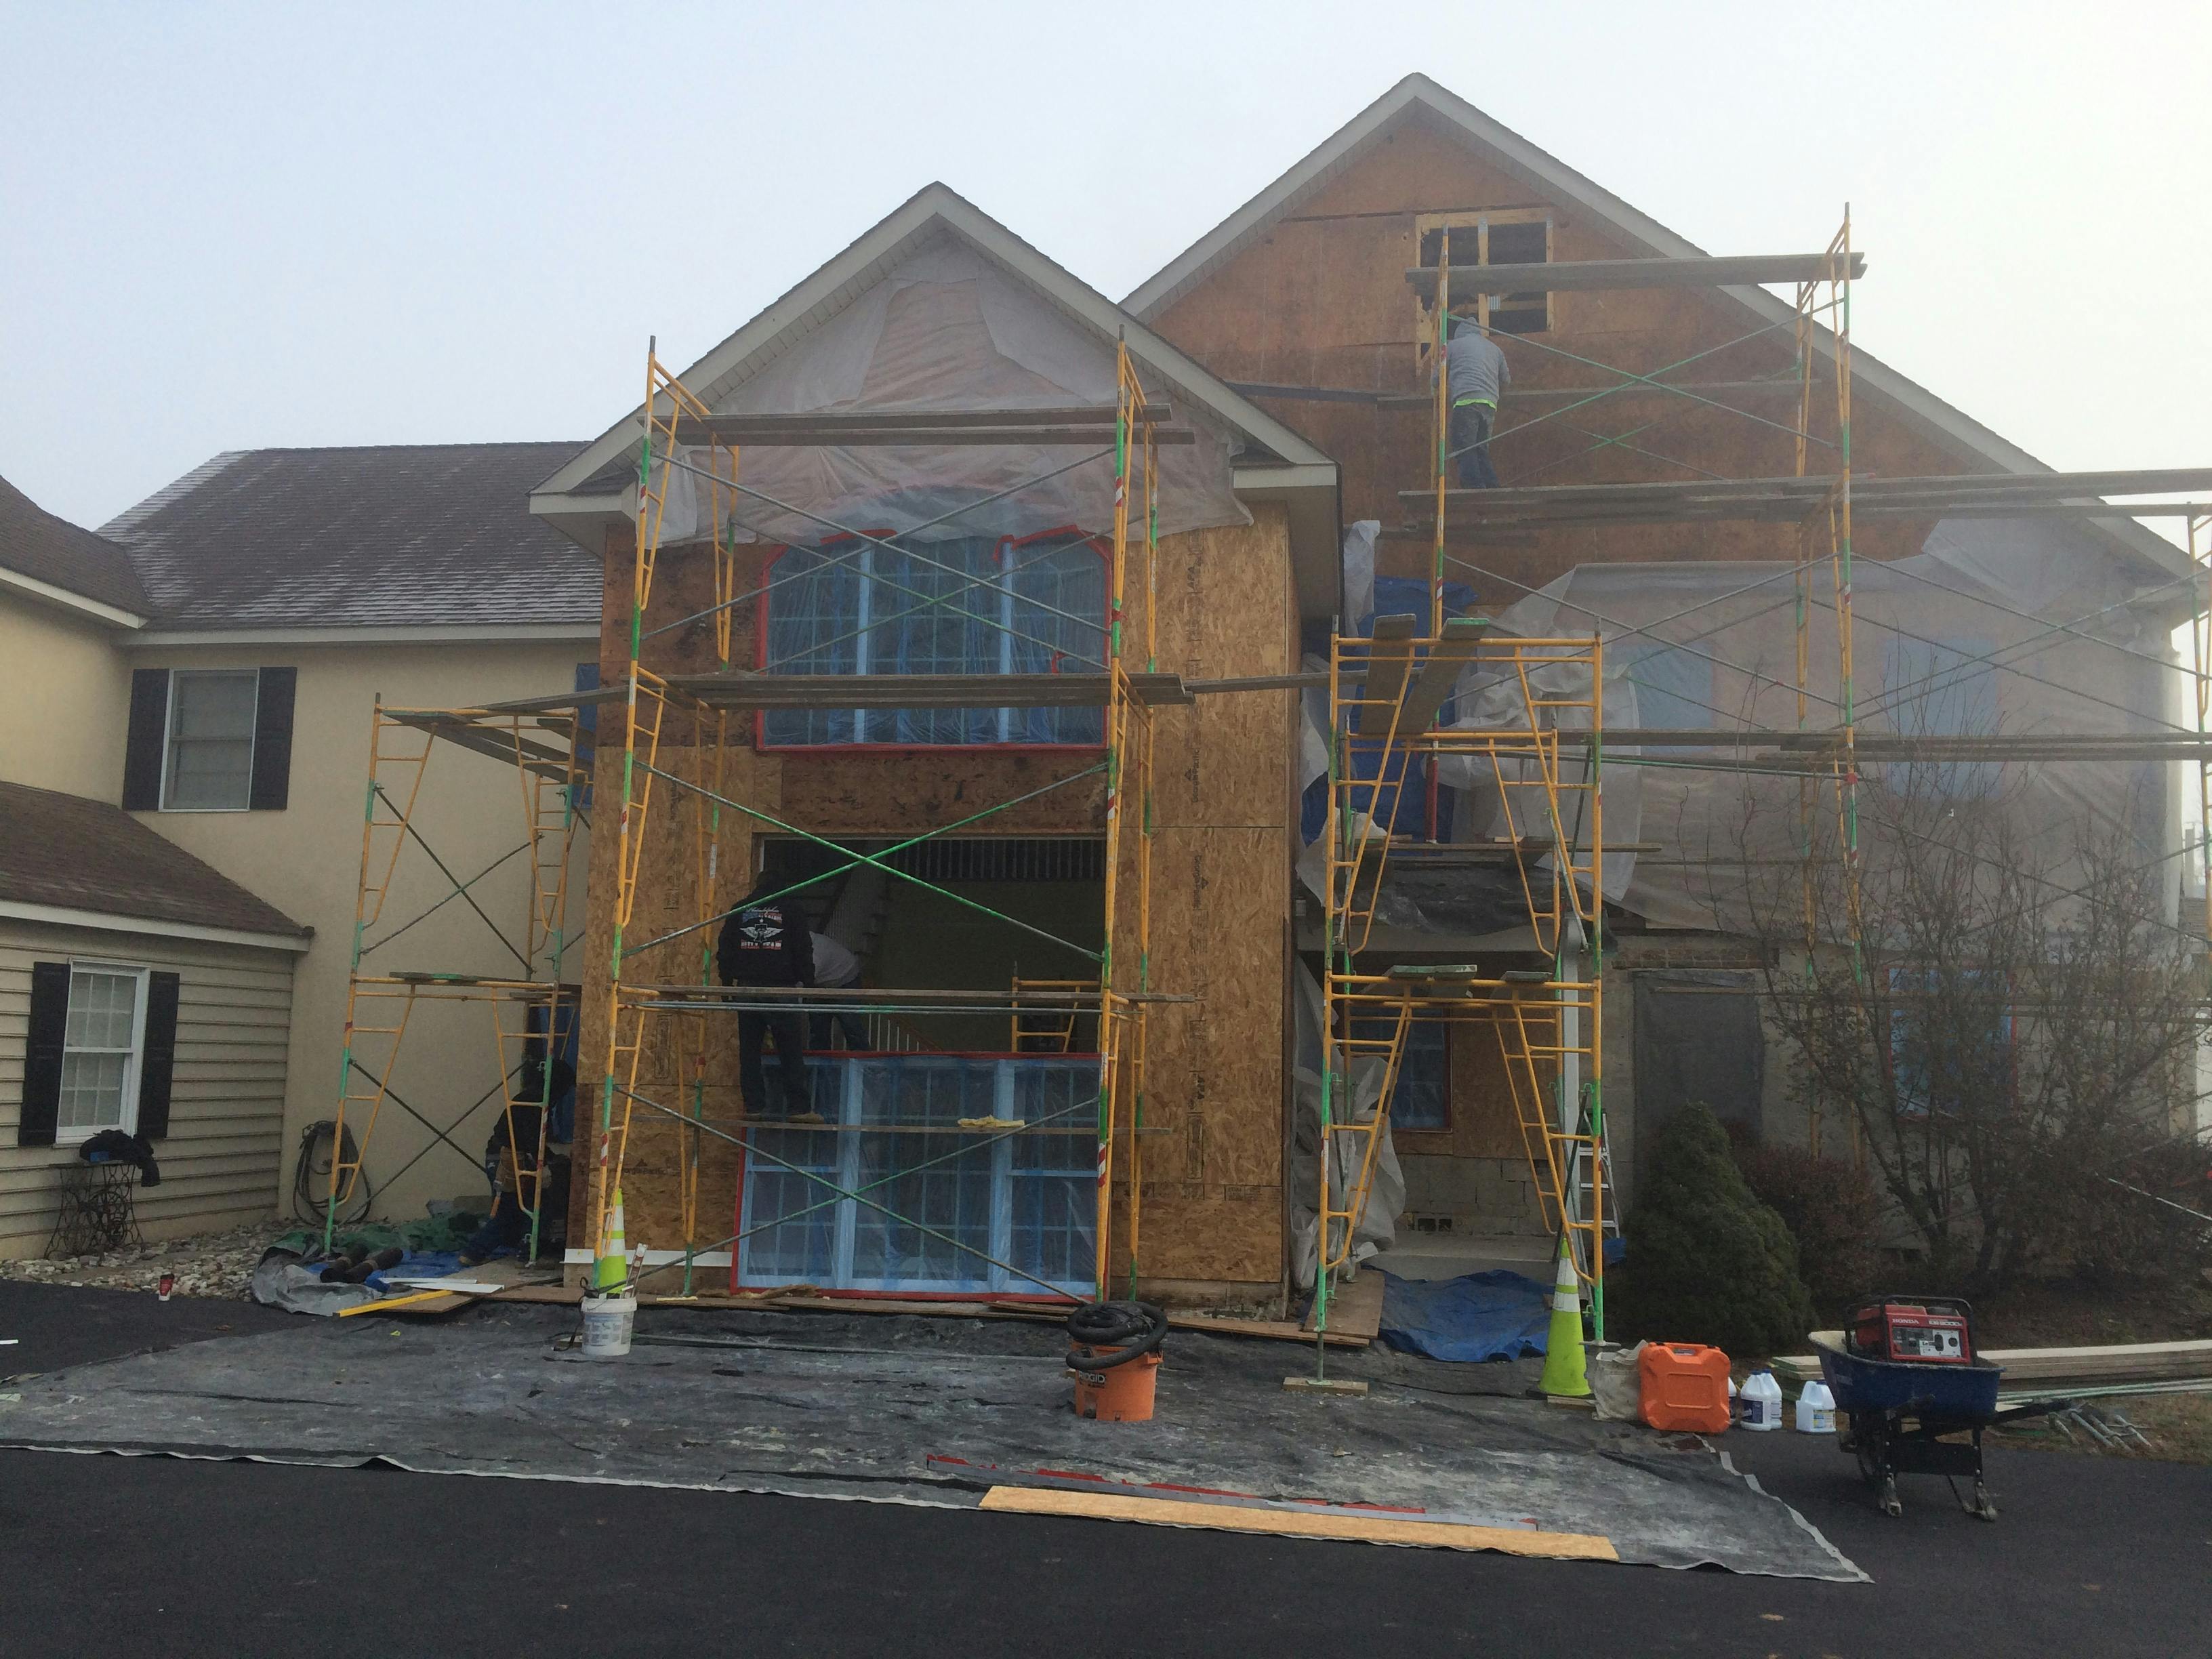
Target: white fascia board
(584,519)
(1309,495)
(172,639)
(835,284)
(1563,183)
(63,599)
(60,916)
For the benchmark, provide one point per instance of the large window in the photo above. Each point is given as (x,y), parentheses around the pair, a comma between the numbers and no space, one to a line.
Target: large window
(987,605)
(1420,1101)
(1028,1200)
(209,763)
(102,1043)
(1946,689)
(1673,685)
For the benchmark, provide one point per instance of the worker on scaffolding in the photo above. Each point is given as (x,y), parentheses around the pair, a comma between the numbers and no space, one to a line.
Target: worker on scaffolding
(1476,375)
(765,944)
(836,968)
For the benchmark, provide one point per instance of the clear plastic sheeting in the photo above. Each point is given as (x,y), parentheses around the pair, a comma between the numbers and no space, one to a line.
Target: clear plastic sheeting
(1354,1100)
(947,328)
(1941,648)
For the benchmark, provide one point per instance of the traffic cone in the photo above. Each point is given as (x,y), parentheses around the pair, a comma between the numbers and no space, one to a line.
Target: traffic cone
(1565,1375)
(611,1270)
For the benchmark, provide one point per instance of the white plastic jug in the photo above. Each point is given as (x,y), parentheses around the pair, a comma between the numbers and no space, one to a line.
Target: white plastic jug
(1816,1409)
(1762,1402)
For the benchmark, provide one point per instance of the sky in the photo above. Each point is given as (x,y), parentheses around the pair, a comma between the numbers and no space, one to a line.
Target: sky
(232,226)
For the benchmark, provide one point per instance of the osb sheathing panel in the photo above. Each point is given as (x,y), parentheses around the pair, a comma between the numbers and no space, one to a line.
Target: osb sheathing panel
(1213,1181)
(1225,612)
(1321,299)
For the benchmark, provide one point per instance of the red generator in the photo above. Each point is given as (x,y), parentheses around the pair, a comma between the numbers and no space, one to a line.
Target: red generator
(1922,1330)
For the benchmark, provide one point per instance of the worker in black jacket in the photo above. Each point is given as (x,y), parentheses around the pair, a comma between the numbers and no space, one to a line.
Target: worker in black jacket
(765,941)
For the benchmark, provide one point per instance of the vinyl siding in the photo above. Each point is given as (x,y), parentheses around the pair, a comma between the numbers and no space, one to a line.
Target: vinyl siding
(220,1160)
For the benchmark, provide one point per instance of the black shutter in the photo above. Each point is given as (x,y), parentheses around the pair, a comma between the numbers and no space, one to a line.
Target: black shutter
(158,1060)
(42,1056)
(272,740)
(149,730)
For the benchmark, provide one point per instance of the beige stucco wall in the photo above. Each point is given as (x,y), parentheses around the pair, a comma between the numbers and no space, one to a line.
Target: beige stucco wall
(64,700)
(306,860)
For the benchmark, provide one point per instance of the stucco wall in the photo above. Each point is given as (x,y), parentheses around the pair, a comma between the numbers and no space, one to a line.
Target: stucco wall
(64,700)
(306,860)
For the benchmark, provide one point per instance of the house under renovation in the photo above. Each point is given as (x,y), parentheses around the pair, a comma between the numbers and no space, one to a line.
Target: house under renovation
(1243,846)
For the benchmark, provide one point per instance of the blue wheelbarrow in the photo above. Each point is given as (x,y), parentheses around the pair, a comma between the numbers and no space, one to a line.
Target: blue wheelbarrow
(1901,1417)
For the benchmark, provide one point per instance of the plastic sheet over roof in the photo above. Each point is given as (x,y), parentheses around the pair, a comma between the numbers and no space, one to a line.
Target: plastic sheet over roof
(948,329)
(1940,649)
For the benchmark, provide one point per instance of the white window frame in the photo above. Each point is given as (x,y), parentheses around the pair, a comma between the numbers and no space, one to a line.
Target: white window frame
(134,1065)
(169,727)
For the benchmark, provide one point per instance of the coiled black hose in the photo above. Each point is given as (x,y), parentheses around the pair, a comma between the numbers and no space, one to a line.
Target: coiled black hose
(1135,1328)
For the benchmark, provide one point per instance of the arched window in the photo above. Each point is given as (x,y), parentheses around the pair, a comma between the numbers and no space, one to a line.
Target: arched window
(981,605)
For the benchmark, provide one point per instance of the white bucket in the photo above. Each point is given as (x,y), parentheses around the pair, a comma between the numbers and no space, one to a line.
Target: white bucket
(607,1322)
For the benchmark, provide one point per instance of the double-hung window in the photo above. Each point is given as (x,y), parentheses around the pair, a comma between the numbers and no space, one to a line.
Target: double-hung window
(979,606)
(1941,690)
(102,1042)
(1673,685)
(209,764)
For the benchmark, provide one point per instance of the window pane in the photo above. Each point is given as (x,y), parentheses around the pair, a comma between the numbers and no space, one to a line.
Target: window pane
(1422,1098)
(1674,687)
(91,1092)
(210,740)
(978,605)
(102,1010)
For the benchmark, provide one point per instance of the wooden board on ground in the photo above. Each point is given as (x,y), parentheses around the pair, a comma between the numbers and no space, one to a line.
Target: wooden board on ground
(2124,1362)
(1348,1525)
(1355,1310)
(503,1274)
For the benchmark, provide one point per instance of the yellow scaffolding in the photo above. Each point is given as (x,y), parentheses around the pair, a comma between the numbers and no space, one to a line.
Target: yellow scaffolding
(541,745)
(1123,991)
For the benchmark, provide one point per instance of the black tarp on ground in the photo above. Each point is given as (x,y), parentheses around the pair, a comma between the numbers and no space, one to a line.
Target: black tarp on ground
(910,1410)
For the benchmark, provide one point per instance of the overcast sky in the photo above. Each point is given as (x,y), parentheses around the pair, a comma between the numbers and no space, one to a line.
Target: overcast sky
(228,227)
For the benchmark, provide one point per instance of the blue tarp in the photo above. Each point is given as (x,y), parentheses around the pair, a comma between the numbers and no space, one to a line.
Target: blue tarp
(1487,1315)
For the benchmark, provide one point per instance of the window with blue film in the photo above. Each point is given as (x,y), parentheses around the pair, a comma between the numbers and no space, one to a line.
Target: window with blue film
(1941,691)
(1421,1099)
(1673,686)
(1950,1039)
(961,1210)
(984,605)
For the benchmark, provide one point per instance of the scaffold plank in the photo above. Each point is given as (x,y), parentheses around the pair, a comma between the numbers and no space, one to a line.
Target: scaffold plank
(1389,659)
(1566,276)
(879,428)
(1785,499)
(922,690)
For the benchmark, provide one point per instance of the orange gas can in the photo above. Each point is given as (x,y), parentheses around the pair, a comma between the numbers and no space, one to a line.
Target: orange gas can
(1683,1386)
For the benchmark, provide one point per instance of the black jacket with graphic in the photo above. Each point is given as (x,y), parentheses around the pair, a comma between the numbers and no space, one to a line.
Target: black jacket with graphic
(766,945)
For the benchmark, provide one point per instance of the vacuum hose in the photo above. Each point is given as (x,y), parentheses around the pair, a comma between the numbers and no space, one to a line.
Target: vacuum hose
(1135,1328)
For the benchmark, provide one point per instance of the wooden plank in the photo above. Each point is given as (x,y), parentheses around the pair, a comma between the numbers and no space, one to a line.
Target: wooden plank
(1356,1309)
(1274,1330)
(747,691)
(739,427)
(1390,657)
(1354,1527)
(1440,673)
(1729,271)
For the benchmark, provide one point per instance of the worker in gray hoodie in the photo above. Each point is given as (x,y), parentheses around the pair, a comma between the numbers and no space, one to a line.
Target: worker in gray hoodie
(1476,377)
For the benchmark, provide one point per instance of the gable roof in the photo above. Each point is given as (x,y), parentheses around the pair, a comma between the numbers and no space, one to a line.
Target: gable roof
(64,852)
(1419,98)
(53,553)
(382,536)
(932,211)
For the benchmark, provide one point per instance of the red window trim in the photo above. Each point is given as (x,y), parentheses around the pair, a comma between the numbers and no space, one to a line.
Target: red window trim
(1098,545)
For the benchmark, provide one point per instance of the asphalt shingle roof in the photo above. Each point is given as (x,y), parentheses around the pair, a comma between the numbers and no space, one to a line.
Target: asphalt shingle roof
(80,854)
(35,543)
(389,536)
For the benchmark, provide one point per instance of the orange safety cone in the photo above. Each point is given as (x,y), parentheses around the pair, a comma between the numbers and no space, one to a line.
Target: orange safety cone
(1565,1377)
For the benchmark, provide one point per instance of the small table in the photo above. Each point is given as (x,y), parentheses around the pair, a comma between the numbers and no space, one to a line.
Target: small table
(99,1209)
